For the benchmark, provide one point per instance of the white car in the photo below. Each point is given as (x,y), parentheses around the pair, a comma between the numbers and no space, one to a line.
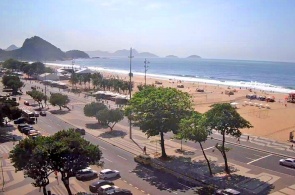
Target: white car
(108,173)
(290,162)
(86,173)
(106,189)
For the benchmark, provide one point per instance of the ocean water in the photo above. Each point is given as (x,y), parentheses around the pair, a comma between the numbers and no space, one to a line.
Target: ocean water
(269,76)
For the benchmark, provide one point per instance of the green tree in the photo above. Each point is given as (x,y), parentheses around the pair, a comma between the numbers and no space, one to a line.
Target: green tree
(74,79)
(12,64)
(227,121)
(37,96)
(96,79)
(158,111)
(29,156)
(110,117)
(192,128)
(13,82)
(58,99)
(91,109)
(65,152)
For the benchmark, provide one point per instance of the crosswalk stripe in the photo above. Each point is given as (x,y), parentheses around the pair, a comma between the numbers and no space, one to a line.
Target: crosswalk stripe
(4,148)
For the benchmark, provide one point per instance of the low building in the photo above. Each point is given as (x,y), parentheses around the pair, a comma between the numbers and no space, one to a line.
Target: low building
(48,76)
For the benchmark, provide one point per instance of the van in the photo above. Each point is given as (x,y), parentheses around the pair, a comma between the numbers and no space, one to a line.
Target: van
(143,159)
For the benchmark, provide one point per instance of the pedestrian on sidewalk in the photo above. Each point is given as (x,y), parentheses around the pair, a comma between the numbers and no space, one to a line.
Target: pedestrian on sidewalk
(144,149)
(248,138)
(291,147)
(238,141)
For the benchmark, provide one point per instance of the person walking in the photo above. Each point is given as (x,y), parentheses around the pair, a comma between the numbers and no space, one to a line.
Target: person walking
(291,147)
(248,138)
(238,141)
(144,149)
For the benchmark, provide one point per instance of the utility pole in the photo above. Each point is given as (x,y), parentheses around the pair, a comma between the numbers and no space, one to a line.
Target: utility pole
(130,89)
(45,85)
(145,70)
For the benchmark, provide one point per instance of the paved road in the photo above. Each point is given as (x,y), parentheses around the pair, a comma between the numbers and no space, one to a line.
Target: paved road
(244,155)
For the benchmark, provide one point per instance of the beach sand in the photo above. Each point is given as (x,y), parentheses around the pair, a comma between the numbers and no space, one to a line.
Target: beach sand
(275,122)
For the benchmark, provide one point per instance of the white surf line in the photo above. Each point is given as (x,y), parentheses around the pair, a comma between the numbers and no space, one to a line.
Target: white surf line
(108,160)
(209,148)
(122,157)
(184,185)
(259,159)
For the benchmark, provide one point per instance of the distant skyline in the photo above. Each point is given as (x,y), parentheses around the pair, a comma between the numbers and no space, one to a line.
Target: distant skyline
(215,29)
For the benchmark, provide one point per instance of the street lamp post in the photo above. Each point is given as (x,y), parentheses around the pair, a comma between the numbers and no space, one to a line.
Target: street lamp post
(145,70)
(130,89)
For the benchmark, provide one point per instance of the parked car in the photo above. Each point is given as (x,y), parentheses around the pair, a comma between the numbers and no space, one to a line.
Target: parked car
(43,113)
(21,126)
(36,114)
(26,103)
(120,192)
(227,191)
(81,131)
(143,159)
(106,188)
(95,185)
(87,173)
(27,130)
(19,120)
(290,162)
(108,174)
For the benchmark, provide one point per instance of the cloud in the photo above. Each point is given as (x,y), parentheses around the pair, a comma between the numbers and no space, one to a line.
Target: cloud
(154,6)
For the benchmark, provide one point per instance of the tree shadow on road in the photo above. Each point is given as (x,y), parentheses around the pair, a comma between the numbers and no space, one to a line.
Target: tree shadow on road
(5,133)
(159,179)
(59,112)
(113,134)
(94,126)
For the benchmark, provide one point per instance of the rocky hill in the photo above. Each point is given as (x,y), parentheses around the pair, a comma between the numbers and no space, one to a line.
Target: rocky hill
(194,56)
(11,47)
(37,49)
(121,53)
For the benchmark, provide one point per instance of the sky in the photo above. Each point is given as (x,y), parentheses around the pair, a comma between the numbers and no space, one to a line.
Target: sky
(214,29)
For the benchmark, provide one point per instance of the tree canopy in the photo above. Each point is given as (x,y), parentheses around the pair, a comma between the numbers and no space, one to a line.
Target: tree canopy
(58,99)
(227,121)
(110,117)
(158,110)
(13,82)
(192,128)
(91,109)
(65,152)
(37,96)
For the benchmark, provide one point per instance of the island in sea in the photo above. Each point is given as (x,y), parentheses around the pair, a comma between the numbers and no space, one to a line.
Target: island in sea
(193,56)
(171,56)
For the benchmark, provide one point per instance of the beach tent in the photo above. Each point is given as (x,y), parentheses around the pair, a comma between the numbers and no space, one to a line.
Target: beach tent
(234,104)
(85,71)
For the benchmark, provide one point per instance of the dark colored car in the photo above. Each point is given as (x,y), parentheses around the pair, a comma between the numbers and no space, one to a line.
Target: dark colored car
(26,130)
(120,192)
(26,103)
(227,191)
(95,185)
(22,125)
(81,131)
(43,113)
(19,120)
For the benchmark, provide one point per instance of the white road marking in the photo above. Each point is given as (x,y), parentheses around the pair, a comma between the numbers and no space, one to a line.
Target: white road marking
(259,159)
(183,185)
(102,147)
(209,148)
(122,157)
(250,158)
(108,160)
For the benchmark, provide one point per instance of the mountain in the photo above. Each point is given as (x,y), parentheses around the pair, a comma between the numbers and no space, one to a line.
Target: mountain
(11,47)
(194,56)
(171,56)
(37,49)
(121,53)
(72,54)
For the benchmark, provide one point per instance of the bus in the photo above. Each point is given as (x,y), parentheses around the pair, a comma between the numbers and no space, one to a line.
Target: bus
(29,116)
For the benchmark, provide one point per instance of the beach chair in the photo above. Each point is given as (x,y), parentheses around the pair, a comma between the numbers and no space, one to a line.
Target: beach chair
(251,104)
(267,106)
